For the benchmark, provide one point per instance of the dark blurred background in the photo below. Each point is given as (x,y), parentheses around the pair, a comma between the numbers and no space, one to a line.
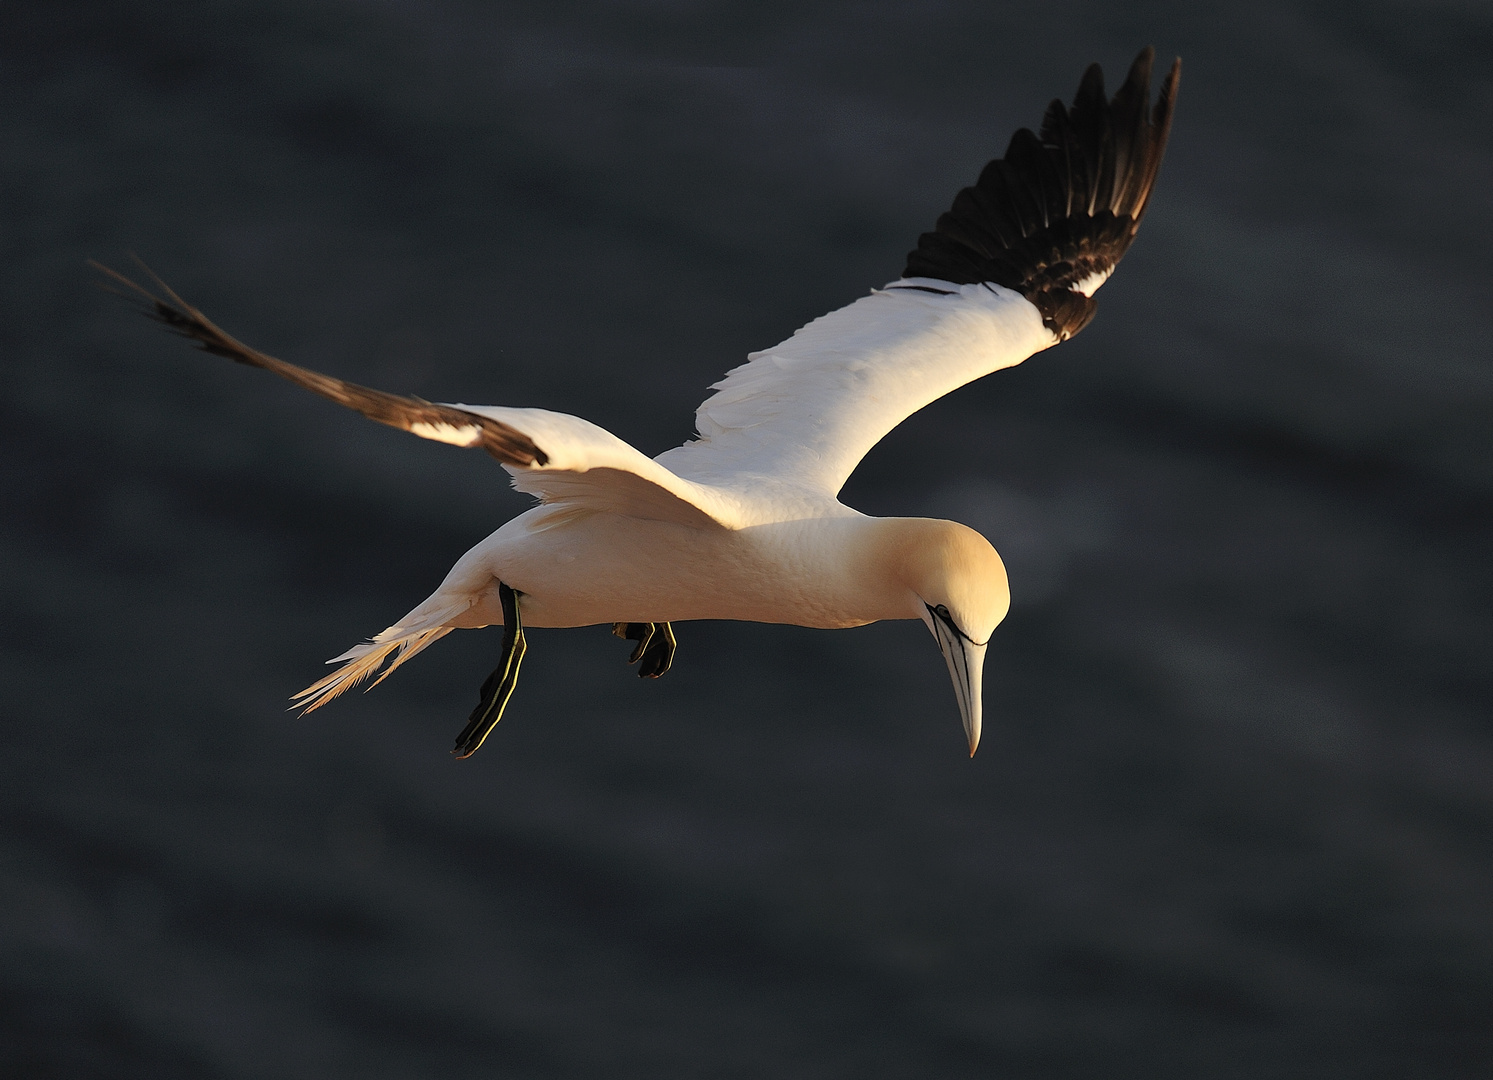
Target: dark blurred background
(1233,811)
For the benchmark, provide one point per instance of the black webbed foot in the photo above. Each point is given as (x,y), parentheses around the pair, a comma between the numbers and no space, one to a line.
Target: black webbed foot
(641,632)
(658,654)
(656,644)
(498,687)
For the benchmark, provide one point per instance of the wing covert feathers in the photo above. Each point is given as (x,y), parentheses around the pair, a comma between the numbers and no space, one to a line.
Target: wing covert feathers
(430,421)
(804,412)
(1053,217)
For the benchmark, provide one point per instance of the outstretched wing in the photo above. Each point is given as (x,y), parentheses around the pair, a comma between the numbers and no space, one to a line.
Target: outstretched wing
(1010,270)
(559,458)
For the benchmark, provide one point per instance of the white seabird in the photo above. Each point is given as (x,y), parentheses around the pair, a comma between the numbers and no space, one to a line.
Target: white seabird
(744,522)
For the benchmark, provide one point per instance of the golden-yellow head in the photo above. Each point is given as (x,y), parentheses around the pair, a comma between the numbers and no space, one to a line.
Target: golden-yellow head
(961,587)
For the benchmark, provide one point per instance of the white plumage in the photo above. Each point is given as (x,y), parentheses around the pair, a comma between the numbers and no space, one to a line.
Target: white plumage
(744,522)
(805,411)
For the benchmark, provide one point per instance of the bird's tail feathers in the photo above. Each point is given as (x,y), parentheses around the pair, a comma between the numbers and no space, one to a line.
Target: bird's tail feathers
(395,645)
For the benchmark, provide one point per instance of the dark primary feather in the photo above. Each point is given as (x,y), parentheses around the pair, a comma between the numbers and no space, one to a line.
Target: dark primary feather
(1061,205)
(508,445)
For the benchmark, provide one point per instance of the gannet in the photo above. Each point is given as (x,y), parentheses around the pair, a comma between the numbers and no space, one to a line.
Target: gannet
(744,522)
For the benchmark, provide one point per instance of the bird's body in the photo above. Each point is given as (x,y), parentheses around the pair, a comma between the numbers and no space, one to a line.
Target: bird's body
(802,571)
(826,572)
(744,522)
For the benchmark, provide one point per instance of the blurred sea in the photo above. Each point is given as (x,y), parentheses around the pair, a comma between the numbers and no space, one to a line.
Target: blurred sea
(1233,812)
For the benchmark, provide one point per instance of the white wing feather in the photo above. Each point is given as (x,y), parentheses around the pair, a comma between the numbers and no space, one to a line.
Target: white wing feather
(805,412)
(591,469)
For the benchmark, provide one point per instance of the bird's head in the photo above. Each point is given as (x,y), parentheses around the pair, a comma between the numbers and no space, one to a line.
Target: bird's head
(962,595)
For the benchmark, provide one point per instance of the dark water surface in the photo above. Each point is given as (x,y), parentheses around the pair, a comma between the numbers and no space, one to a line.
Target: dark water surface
(1233,814)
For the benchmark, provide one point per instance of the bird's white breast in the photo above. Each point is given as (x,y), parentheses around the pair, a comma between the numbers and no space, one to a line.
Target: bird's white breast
(590,568)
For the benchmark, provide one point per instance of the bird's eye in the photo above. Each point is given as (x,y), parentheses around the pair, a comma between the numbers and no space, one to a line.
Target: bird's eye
(942,612)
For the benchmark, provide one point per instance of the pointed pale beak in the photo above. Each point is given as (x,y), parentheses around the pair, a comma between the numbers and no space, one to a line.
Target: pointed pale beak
(966,662)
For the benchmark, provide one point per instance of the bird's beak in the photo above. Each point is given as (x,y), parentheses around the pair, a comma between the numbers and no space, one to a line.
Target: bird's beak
(966,662)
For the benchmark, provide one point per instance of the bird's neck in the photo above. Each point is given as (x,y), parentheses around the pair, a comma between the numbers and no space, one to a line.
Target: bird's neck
(890,558)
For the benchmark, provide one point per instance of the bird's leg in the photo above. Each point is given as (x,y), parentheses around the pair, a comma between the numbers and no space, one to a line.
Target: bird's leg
(498,687)
(641,632)
(656,645)
(658,655)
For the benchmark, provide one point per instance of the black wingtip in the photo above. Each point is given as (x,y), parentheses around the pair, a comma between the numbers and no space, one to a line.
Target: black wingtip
(506,444)
(1139,75)
(1053,217)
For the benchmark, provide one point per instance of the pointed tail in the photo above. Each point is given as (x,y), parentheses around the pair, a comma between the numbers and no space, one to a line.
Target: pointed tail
(395,645)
